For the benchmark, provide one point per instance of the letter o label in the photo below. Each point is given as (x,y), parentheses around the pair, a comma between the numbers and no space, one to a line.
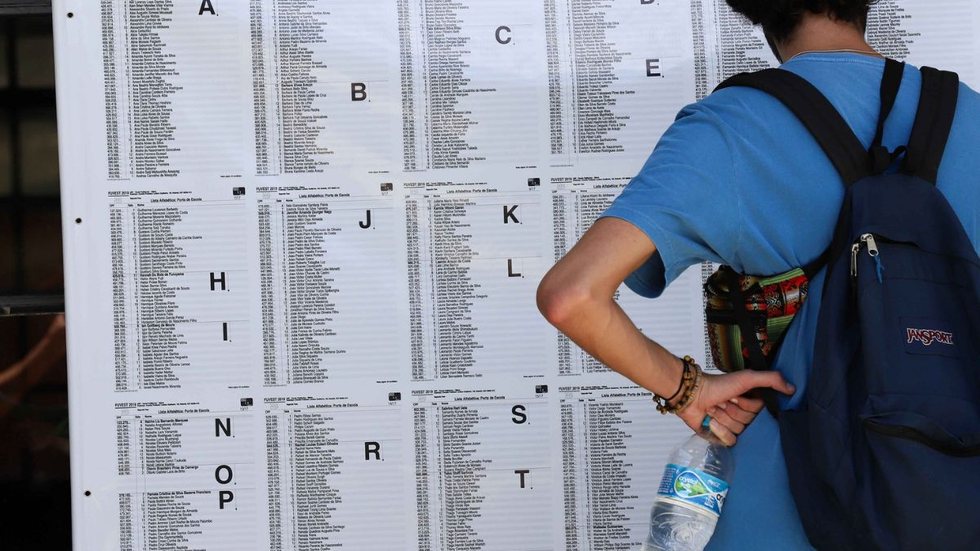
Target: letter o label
(223,474)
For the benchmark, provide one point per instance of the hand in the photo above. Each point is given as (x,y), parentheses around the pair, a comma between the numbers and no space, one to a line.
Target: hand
(724,398)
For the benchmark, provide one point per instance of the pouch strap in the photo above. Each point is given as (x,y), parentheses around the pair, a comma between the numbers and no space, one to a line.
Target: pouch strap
(757,359)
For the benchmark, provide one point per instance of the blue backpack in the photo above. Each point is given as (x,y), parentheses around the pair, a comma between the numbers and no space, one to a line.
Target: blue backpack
(884,451)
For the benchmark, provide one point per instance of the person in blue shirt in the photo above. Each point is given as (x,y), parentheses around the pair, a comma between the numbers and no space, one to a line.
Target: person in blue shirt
(738,180)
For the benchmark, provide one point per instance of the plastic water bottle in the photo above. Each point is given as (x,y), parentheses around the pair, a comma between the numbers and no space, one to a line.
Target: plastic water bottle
(691,495)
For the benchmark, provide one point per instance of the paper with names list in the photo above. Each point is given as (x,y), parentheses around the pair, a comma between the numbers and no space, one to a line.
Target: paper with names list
(303,239)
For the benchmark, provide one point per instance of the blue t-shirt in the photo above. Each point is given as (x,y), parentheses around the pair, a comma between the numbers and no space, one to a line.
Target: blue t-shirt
(738,180)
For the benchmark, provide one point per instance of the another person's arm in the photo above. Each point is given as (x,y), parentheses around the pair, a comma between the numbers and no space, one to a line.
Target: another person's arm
(576,296)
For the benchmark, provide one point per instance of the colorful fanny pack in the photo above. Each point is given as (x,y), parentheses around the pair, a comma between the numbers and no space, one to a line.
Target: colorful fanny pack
(760,307)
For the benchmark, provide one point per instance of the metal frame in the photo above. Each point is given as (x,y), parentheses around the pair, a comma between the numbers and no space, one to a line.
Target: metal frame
(39,402)
(31,305)
(24,7)
(15,102)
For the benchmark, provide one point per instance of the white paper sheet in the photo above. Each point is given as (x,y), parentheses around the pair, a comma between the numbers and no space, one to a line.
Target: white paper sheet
(301,283)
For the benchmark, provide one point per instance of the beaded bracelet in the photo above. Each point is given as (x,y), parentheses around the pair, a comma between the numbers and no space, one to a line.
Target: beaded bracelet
(690,381)
(662,403)
(680,384)
(692,391)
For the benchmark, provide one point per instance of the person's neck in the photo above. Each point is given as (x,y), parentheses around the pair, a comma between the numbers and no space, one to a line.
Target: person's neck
(820,33)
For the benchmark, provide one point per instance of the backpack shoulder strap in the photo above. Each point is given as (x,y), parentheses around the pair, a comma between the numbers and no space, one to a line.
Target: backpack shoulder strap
(933,121)
(835,137)
(891,80)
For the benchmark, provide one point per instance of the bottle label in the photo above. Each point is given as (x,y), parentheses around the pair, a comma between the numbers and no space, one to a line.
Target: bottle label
(694,487)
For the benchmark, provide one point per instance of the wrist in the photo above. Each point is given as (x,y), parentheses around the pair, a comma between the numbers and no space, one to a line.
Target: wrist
(687,389)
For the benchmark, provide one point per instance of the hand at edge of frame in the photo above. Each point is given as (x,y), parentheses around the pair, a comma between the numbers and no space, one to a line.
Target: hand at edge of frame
(726,399)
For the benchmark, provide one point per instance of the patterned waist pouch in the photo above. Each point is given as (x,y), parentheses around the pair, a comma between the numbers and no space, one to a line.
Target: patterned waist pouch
(762,308)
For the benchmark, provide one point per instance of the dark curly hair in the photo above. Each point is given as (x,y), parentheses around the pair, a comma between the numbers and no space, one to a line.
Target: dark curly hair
(779,18)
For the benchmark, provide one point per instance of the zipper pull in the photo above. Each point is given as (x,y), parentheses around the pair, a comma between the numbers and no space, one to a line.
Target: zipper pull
(854,259)
(869,240)
(873,252)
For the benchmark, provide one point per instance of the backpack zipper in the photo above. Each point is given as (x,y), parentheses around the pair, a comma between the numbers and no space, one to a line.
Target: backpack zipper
(854,258)
(868,240)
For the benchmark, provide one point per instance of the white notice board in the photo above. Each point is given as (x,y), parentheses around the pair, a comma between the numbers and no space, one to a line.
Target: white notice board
(302,242)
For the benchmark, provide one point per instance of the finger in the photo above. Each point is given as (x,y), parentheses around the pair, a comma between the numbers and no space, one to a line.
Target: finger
(727,420)
(737,413)
(750,379)
(751,405)
(723,434)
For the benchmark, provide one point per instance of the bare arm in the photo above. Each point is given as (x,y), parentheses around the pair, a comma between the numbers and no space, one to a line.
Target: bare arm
(576,296)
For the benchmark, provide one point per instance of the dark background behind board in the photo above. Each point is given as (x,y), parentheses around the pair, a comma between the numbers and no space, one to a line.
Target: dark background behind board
(35,511)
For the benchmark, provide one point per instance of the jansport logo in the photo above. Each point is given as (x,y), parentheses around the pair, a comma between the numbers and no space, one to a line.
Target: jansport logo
(928,336)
